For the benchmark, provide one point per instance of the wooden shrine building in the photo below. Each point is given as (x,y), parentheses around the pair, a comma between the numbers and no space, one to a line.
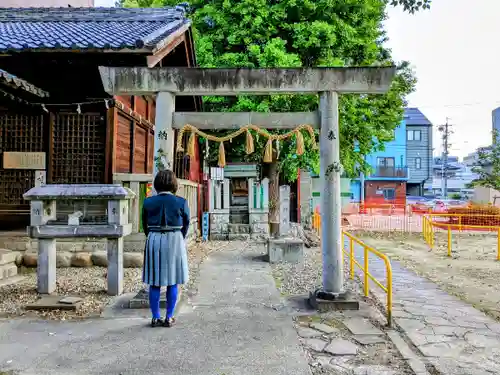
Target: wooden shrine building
(56,121)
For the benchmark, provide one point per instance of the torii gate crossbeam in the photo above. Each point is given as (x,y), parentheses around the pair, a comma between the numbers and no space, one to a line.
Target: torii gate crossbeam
(328,82)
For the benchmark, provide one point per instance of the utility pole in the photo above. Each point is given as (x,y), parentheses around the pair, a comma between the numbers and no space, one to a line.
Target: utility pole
(445,129)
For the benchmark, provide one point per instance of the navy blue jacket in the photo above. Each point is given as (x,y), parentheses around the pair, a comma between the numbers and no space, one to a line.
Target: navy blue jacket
(165,210)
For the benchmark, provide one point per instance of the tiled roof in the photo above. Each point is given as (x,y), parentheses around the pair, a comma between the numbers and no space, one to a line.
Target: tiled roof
(23,29)
(15,82)
(413,116)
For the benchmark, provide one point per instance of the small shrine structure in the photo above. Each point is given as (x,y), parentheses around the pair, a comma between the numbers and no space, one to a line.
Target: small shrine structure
(238,202)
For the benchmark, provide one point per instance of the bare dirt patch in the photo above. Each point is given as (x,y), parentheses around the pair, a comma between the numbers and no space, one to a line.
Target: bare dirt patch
(472,273)
(88,283)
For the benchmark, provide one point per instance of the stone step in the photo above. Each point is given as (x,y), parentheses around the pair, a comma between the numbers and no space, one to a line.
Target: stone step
(237,220)
(238,228)
(7,256)
(8,270)
(11,280)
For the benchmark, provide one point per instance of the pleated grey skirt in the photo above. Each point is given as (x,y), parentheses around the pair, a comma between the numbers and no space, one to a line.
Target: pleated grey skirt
(165,259)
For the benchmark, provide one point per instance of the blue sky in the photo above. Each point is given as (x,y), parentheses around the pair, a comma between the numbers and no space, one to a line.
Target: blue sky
(453,50)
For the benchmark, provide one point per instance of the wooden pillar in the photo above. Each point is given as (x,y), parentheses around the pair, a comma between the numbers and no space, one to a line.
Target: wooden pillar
(111,139)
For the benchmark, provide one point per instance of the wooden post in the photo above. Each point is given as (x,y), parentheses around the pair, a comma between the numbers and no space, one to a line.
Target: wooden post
(132,135)
(50,153)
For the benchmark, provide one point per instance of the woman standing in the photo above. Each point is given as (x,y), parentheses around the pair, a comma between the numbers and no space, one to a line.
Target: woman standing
(165,220)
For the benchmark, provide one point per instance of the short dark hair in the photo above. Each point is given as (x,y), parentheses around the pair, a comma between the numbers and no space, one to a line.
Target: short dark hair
(165,181)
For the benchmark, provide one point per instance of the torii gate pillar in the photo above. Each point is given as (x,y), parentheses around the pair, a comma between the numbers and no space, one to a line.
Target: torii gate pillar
(164,134)
(328,82)
(330,171)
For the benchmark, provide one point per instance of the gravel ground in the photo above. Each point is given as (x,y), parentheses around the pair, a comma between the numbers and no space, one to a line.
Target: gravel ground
(88,283)
(299,278)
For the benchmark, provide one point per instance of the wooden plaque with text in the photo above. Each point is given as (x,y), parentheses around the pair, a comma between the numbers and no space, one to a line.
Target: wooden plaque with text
(24,160)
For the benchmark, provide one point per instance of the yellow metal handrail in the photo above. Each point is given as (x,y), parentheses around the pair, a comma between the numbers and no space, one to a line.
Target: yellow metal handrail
(366,272)
(316,222)
(428,231)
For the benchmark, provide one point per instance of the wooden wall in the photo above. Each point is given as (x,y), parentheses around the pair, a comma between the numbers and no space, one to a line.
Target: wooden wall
(132,145)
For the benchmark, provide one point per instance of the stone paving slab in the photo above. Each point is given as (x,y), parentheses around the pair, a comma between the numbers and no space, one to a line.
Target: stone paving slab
(453,336)
(360,326)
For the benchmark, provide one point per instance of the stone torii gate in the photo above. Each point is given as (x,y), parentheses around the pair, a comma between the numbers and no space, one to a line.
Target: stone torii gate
(167,83)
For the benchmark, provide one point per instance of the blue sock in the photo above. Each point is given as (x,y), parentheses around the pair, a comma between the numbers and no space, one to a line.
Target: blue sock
(171,300)
(154,301)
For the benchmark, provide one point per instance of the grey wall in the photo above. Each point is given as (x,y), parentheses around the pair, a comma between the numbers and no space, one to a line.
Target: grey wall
(419,149)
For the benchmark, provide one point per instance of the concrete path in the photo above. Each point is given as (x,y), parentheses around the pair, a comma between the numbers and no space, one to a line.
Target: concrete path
(453,336)
(231,327)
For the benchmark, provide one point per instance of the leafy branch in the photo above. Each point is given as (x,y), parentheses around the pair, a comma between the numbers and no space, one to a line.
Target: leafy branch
(488,168)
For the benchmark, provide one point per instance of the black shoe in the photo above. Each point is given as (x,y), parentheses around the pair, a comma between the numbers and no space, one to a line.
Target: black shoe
(157,322)
(169,322)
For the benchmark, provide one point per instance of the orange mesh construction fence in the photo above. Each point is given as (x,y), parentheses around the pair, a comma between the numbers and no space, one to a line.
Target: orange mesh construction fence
(472,218)
(384,218)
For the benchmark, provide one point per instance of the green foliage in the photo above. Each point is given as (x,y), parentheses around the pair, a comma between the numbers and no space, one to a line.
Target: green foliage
(141,3)
(306,33)
(489,166)
(412,5)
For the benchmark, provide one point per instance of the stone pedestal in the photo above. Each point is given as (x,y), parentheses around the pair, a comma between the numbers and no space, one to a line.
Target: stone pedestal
(8,268)
(259,224)
(46,267)
(324,302)
(219,225)
(290,250)
(141,299)
(284,225)
(115,266)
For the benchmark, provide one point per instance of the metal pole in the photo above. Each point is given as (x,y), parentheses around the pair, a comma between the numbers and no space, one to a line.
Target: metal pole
(362,190)
(442,175)
(445,159)
(333,273)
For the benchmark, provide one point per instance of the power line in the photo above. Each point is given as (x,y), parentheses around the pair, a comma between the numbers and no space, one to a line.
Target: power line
(456,105)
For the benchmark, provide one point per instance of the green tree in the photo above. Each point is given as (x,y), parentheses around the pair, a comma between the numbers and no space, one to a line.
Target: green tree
(409,5)
(488,168)
(306,33)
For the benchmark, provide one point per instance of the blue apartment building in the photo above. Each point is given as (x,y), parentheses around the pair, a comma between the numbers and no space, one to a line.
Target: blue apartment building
(389,175)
